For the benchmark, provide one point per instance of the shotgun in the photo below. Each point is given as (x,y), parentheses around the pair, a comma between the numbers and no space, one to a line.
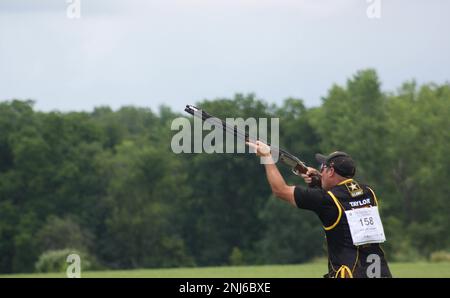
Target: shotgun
(297,166)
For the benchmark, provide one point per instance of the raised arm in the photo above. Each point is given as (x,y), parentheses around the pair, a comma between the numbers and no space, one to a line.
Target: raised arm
(279,187)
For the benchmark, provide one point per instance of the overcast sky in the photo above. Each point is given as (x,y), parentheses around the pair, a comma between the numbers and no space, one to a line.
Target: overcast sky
(151,52)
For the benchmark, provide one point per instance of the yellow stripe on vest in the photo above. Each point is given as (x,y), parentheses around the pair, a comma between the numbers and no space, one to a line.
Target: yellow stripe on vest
(343,272)
(374,196)
(338,205)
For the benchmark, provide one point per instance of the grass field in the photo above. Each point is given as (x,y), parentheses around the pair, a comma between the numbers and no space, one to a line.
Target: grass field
(290,271)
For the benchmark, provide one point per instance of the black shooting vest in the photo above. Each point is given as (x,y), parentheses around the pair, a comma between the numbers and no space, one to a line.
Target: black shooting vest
(344,258)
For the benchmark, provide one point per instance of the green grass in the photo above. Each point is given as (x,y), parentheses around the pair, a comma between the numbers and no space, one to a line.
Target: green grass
(420,269)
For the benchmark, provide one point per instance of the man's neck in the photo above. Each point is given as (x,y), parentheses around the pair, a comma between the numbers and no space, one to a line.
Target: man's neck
(340,180)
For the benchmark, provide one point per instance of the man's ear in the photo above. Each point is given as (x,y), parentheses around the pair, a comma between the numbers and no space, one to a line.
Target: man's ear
(332,172)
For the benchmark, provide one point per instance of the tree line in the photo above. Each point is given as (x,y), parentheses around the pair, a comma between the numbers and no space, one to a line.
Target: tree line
(106,183)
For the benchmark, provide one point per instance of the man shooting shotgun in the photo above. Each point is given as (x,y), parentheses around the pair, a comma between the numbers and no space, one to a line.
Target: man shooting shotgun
(348,210)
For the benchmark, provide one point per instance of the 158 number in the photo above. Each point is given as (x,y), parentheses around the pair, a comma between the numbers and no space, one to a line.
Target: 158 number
(366,221)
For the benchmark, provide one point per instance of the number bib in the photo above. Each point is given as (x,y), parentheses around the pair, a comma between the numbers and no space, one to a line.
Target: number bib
(365,225)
